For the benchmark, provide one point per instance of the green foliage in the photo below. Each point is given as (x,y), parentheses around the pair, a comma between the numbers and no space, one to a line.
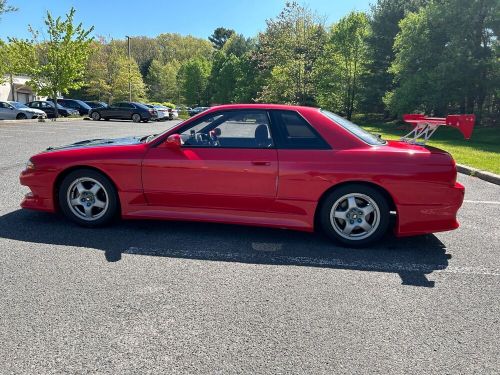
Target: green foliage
(162,81)
(5,7)
(193,81)
(57,64)
(344,62)
(220,37)
(287,52)
(446,58)
(182,48)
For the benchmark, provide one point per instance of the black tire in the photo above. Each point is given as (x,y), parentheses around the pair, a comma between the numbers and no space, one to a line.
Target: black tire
(145,120)
(364,197)
(96,116)
(107,193)
(136,117)
(106,118)
(21,116)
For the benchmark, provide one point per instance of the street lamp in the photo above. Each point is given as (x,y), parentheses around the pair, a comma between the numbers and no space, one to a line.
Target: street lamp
(129,73)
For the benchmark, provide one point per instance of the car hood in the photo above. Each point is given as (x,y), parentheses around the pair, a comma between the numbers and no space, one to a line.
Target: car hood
(100,142)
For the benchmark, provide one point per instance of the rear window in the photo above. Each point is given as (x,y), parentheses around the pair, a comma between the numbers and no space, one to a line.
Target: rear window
(359,132)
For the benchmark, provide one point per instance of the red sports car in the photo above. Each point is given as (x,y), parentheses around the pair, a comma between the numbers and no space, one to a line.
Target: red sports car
(257,164)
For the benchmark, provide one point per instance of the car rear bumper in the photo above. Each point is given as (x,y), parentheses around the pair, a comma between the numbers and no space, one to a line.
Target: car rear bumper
(438,216)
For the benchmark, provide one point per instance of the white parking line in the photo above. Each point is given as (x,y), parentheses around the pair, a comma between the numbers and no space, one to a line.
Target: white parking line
(481,202)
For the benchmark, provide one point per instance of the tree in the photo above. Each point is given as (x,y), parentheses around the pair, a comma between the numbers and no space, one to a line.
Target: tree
(57,64)
(97,82)
(162,81)
(384,21)
(193,81)
(287,52)
(220,37)
(119,83)
(182,48)
(233,76)
(343,63)
(446,58)
(5,8)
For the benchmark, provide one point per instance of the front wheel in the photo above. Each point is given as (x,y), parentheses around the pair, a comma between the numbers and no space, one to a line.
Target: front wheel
(136,117)
(355,215)
(96,116)
(21,116)
(88,198)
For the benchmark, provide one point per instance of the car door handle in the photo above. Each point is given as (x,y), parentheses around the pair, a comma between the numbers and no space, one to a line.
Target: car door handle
(261,162)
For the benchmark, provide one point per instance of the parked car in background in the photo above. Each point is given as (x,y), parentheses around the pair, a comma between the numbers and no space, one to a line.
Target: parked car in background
(79,105)
(93,104)
(162,111)
(49,108)
(173,114)
(136,112)
(18,111)
(196,110)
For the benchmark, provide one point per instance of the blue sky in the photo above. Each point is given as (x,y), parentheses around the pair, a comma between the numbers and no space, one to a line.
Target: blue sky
(118,18)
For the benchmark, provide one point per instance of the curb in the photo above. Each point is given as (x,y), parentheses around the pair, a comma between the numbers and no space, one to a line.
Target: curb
(483,175)
(33,121)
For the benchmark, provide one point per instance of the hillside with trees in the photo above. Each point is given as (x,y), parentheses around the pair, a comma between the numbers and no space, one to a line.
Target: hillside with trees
(435,57)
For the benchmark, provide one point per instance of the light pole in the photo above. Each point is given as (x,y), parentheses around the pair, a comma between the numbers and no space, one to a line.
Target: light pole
(129,73)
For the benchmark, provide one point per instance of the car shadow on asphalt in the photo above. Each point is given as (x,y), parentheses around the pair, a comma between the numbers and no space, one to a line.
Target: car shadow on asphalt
(412,258)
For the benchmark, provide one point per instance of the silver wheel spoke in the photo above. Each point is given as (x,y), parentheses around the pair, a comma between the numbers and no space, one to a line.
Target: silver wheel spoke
(349,228)
(367,210)
(100,204)
(76,202)
(88,211)
(351,202)
(364,224)
(80,188)
(95,189)
(340,214)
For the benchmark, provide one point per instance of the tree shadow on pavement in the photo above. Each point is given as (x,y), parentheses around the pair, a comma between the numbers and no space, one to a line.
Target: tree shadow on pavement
(412,258)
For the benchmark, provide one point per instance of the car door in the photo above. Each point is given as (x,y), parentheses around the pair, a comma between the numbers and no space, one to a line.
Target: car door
(7,112)
(48,108)
(227,161)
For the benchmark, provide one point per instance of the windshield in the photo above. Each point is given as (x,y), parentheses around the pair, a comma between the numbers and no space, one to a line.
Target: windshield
(18,105)
(359,132)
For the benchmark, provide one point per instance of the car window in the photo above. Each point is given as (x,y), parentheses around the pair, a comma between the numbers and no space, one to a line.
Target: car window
(4,105)
(231,129)
(47,105)
(296,132)
(359,132)
(124,105)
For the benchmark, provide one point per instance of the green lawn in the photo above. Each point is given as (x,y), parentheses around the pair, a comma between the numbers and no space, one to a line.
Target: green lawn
(482,151)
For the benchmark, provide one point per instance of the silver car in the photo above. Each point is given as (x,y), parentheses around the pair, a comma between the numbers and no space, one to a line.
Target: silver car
(18,111)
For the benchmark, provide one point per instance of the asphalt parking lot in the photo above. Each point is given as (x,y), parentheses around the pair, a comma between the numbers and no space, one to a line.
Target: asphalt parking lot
(170,297)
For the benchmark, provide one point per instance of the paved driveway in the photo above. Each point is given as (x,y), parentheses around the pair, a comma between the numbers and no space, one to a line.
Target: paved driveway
(171,297)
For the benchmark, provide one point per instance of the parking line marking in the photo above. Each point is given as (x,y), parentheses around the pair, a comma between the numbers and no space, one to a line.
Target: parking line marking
(315,262)
(482,202)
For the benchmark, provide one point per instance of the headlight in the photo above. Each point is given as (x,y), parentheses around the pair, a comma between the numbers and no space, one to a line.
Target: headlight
(29,166)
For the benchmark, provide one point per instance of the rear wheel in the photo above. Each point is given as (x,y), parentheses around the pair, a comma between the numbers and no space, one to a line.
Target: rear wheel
(96,116)
(88,198)
(355,215)
(21,116)
(136,117)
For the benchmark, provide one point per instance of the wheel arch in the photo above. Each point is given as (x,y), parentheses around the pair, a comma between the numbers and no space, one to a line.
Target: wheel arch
(381,189)
(65,172)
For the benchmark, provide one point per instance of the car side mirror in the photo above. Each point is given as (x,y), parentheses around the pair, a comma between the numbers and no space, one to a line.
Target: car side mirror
(173,141)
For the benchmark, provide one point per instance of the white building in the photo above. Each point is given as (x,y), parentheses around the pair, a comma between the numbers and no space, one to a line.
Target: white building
(17,90)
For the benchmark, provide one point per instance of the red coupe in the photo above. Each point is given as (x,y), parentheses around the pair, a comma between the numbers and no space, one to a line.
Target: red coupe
(257,164)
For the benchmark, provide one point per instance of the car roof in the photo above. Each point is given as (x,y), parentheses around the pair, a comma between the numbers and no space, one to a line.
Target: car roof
(283,107)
